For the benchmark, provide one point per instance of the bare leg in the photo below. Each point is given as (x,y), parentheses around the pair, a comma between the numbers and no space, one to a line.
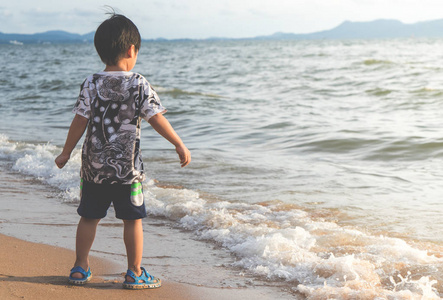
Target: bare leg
(133,237)
(85,237)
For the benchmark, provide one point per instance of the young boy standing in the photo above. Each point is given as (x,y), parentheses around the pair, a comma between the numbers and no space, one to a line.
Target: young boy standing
(111,105)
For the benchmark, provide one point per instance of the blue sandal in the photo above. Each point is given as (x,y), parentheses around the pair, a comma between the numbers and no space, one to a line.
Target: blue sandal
(80,281)
(144,281)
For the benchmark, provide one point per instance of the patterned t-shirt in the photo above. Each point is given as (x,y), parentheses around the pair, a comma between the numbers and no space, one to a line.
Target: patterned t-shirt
(115,103)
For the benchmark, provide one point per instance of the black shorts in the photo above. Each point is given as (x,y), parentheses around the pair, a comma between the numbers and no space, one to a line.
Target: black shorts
(95,200)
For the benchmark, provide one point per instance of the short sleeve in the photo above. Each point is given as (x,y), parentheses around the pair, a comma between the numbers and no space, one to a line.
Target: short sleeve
(83,105)
(151,104)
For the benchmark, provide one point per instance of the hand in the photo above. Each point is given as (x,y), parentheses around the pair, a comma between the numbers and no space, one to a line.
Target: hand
(61,160)
(184,155)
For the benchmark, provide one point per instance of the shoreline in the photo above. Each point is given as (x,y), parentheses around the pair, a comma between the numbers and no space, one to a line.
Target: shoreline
(37,271)
(37,232)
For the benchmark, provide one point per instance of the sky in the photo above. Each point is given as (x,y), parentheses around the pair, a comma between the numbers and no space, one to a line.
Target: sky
(210,18)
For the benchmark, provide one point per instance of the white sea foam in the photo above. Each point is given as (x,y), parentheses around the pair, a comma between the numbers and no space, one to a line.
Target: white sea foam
(38,161)
(318,259)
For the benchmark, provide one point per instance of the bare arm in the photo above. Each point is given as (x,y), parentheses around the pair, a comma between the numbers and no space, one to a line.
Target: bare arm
(164,128)
(76,131)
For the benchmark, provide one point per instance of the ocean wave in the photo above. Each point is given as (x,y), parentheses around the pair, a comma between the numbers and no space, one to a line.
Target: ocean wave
(376,148)
(370,62)
(37,160)
(428,91)
(379,92)
(54,85)
(26,97)
(406,149)
(176,92)
(315,257)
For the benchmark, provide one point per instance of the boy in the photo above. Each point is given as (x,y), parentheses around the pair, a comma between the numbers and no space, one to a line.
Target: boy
(111,105)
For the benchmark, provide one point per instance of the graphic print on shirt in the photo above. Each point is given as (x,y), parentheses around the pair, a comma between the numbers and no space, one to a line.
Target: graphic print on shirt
(114,105)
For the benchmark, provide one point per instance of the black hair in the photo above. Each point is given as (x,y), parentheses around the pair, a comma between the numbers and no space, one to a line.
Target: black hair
(114,37)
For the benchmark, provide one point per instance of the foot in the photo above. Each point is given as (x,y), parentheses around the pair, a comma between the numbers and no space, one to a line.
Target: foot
(142,281)
(137,273)
(84,277)
(79,275)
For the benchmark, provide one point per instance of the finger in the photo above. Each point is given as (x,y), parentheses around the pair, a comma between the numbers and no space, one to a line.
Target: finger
(186,161)
(60,164)
(183,162)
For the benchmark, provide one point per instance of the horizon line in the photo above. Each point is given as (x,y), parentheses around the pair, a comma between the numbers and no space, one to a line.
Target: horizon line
(225,37)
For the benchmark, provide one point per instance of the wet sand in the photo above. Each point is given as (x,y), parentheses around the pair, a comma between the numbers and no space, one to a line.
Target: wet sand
(35,271)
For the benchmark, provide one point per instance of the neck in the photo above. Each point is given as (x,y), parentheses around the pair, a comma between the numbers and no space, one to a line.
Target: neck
(120,66)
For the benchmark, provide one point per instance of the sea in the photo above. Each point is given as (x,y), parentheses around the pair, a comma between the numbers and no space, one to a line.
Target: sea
(316,171)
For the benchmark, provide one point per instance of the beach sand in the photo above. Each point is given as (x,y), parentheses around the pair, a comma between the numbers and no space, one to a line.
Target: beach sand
(36,271)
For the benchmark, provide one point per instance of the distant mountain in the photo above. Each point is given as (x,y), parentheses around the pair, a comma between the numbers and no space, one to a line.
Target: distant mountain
(369,30)
(56,36)
(346,30)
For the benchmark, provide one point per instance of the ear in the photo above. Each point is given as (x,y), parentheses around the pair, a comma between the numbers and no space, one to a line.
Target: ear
(131,51)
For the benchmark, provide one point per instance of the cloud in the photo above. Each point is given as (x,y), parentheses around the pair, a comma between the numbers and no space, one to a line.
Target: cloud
(37,19)
(5,13)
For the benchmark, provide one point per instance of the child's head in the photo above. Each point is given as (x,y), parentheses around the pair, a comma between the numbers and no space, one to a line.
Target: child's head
(114,37)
